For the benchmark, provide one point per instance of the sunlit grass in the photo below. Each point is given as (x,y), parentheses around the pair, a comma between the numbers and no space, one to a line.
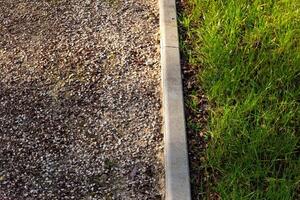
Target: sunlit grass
(249,52)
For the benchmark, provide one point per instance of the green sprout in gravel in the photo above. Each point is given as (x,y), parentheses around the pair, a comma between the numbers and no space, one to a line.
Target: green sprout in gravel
(249,53)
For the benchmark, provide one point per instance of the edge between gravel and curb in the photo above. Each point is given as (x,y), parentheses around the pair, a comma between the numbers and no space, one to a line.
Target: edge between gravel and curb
(177,178)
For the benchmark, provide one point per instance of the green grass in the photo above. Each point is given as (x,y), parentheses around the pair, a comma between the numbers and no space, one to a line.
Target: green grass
(249,54)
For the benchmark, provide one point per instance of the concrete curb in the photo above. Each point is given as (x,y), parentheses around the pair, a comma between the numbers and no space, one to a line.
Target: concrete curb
(175,144)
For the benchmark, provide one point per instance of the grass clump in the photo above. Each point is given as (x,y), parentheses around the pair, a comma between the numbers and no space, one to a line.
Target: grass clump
(249,53)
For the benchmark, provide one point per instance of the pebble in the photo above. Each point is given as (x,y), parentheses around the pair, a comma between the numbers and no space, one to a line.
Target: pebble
(80,100)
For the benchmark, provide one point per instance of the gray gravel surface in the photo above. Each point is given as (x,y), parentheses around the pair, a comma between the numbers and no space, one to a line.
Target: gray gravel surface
(79,100)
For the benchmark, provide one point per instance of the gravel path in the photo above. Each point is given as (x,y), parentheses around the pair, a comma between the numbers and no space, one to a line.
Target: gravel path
(79,100)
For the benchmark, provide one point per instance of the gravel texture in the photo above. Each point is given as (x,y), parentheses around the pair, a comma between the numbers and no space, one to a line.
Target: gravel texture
(80,100)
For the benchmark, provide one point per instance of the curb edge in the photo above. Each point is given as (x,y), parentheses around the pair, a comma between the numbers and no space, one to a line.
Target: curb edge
(177,177)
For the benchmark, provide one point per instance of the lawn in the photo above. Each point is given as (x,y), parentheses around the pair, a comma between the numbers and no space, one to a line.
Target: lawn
(247,57)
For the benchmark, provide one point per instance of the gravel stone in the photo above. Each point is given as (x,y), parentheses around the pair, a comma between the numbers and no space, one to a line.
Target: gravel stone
(80,100)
